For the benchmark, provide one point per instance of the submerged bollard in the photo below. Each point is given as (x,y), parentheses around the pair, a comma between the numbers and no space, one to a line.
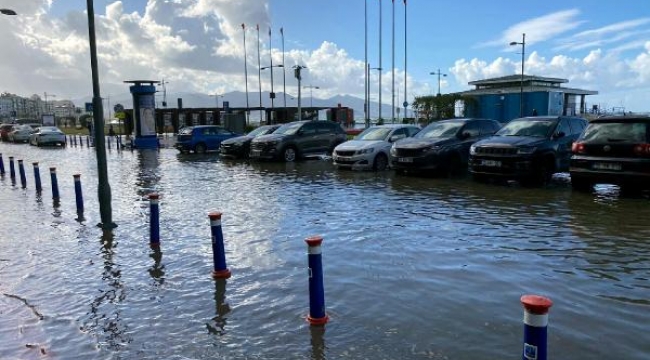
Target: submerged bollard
(218,250)
(37,177)
(77,192)
(55,184)
(154,220)
(12,170)
(535,323)
(317,315)
(74,140)
(2,166)
(21,170)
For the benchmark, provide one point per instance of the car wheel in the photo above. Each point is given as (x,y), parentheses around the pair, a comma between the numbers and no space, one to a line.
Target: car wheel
(289,154)
(380,163)
(580,185)
(541,175)
(200,148)
(482,178)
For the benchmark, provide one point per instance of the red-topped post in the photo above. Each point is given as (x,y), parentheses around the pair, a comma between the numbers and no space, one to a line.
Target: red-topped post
(536,309)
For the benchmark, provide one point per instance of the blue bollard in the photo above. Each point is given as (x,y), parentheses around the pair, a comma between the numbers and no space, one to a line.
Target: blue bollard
(2,166)
(12,170)
(218,250)
(77,192)
(55,184)
(88,141)
(37,178)
(21,170)
(154,220)
(535,323)
(118,140)
(74,140)
(317,315)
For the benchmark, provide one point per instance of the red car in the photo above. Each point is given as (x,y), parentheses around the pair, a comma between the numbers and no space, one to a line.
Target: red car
(5,129)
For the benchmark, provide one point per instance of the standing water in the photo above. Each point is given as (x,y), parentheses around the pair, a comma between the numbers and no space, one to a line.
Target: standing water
(420,268)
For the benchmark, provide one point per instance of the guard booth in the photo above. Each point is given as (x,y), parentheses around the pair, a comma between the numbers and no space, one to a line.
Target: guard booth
(143,116)
(341,114)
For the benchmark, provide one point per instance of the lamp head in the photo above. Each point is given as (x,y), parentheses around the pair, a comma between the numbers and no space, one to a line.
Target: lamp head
(514,43)
(7,12)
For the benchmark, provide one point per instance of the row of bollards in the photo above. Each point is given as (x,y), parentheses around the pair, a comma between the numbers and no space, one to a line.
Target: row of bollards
(73,140)
(37,180)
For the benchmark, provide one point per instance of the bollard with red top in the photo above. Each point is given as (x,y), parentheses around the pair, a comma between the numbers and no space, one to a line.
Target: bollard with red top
(154,220)
(77,191)
(218,249)
(317,315)
(37,178)
(12,170)
(21,171)
(536,309)
(55,184)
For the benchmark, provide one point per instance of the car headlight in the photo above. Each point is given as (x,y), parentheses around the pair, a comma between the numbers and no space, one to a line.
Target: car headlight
(472,149)
(365,151)
(393,151)
(526,150)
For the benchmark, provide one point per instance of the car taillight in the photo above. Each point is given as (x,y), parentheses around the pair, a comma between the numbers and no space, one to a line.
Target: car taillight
(642,149)
(578,148)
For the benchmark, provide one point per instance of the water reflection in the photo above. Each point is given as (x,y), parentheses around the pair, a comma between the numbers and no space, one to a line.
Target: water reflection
(222,308)
(148,174)
(105,317)
(157,270)
(317,342)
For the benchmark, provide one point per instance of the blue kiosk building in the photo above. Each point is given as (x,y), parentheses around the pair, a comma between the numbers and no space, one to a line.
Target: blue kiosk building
(144,117)
(500,98)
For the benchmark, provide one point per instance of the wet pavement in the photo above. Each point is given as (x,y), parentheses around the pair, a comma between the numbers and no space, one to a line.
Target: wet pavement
(415,267)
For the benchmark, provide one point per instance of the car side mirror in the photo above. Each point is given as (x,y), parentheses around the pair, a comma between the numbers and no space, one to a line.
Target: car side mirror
(464,135)
(397,137)
(560,134)
(300,132)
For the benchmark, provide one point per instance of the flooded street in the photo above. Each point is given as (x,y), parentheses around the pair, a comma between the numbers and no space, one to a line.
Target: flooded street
(414,267)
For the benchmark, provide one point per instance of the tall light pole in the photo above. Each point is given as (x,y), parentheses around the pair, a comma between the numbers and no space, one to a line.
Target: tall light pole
(296,72)
(284,72)
(272,95)
(406,104)
(379,68)
(163,83)
(521,91)
(392,104)
(366,104)
(439,75)
(311,94)
(259,72)
(243,27)
(103,188)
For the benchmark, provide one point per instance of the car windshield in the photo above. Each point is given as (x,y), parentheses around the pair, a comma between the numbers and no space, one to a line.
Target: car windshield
(373,133)
(262,130)
(288,129)
(440,130)
(49,129)
(635,132)
(525,127)
(185,131)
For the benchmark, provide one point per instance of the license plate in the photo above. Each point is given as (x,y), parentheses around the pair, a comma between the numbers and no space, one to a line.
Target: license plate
(491,163)
(342,158)
(607,166)
(256,152)
(405,160)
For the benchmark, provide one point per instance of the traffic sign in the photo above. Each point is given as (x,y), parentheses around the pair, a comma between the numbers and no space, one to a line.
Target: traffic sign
(89,107)
(118,108)
(405,104)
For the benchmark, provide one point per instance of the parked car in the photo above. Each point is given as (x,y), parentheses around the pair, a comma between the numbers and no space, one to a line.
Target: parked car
(529,149)
(20,133)
(441,146)
(202,138)
(370,149)
(298,139)
(612,150)
(239,147)
(5,129)
(47,135)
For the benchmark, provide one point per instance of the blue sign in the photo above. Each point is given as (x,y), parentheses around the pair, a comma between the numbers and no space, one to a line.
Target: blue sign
(226,105)
(89,107)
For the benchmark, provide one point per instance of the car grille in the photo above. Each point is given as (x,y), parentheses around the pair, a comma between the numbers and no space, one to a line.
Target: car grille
(496,150)
(261,146)
(409,152)
(345,152)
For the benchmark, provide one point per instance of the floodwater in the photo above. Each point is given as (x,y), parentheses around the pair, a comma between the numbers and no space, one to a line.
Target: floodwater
(414,268)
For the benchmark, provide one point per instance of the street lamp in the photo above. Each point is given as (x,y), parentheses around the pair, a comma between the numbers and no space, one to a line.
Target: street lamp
(311,95)
(439,75)
(521,92)
(272,95)
(216,98)
(296,73)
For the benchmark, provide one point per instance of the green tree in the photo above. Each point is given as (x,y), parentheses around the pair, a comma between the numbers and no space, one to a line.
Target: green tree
(438,107)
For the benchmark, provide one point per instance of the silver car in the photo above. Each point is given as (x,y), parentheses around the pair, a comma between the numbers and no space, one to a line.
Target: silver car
(370,149)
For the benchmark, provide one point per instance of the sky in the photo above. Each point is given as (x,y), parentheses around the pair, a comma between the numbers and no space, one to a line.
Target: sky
(197,46)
